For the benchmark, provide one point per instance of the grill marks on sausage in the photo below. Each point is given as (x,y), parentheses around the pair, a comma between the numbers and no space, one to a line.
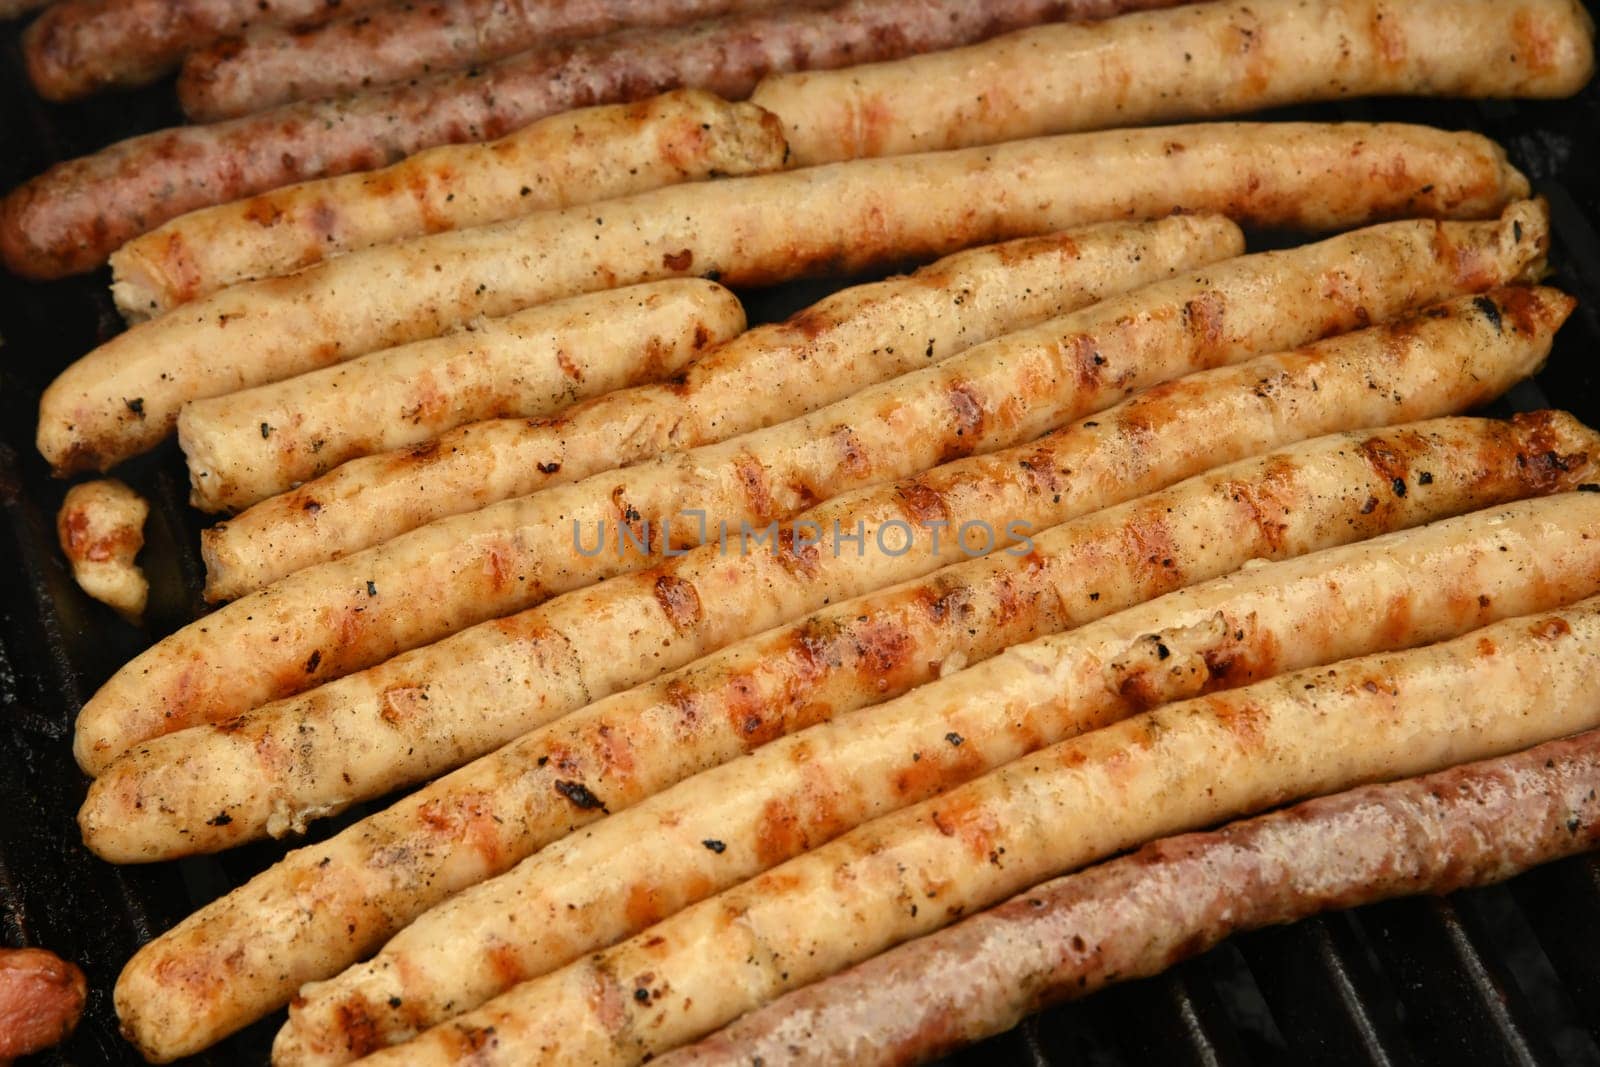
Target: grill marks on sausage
(1527,312)
(1205,317)
(1542,461)
(922,504)
(679,602)
(757,493)
(967,419)
(1534,43)
(362,1034)
(1267,501)
(1148,540)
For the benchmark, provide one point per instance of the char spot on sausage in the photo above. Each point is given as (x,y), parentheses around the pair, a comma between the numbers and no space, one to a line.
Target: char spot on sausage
(966,408)
(922,503)
(679,601)
(1550,629)
(753,480)
(797,554)
(360,1030)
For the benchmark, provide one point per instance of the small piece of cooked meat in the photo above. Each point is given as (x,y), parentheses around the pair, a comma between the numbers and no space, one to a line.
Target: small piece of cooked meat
(101,529)
(41,998)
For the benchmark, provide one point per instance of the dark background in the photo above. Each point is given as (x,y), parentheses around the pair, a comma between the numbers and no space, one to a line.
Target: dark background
(1509,974)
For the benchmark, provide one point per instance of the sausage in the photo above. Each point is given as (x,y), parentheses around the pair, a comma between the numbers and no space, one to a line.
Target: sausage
(261,70)
(576,158)
(1196,61)
(328,905)
(41,998)
(857,337)
(70,218)
(534,362)
(250,554)
(750,231)
(101,530)
(337,617)
(266,69)
(1179,767)
(425,712)
(593,889)
(1175,898)
(79,47)
(381,498)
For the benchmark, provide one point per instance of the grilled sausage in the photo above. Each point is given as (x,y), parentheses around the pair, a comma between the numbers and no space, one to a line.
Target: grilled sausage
(595,888)
(78,47)
(339,617)
(577,158)
(532,363)
(262,70)
(753,230)
(425,712)
(1192,62)
(854,338)
(1179,767)
(267,69)
(328,905)
(381,498)
(41,998)
(101,530)
(74,215)
(1175,898)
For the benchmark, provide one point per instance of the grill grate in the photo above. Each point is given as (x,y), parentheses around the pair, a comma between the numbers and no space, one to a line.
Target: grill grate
(1509,974)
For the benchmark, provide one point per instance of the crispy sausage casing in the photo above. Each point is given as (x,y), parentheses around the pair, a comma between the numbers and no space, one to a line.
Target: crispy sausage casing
(328,905)
(751,231)
(1196,61)
(1173,899)
(577,158)
(429,710)
(852,339)
(592,889)
(532,363)
(1176,768)
(338,617)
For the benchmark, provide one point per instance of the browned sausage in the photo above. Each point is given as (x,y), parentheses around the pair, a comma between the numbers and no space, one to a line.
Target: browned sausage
(82,46)
(71,217)
(267,69)
(1175,898)
(41,997)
